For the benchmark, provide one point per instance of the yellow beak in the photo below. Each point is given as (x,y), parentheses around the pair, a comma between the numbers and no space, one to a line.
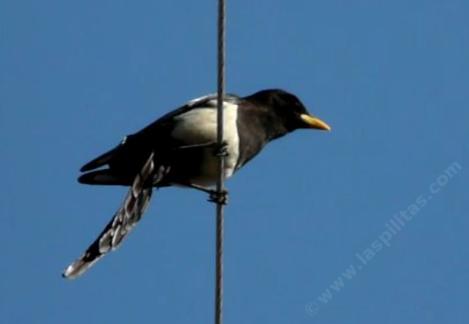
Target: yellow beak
(313,122)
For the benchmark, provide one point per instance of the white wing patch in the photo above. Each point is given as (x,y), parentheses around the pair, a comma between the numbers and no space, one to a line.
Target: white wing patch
(198,100)
(199,126)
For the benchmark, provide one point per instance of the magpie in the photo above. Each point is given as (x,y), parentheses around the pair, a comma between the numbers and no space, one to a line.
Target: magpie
(179,149)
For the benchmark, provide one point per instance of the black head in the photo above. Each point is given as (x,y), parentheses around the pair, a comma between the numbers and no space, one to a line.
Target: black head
(288,109)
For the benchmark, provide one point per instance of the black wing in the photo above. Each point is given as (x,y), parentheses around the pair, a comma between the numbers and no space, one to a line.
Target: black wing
(126,159)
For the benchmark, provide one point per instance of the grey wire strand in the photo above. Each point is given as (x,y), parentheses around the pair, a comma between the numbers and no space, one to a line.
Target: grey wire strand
(221,163)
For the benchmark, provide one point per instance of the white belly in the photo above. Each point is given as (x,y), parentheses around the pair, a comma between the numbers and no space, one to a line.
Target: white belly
(199,126)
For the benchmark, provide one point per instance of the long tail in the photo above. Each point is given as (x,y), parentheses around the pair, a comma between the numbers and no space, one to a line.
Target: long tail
(126,217)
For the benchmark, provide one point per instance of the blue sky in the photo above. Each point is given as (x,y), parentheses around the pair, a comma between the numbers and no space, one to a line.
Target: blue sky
(390,77)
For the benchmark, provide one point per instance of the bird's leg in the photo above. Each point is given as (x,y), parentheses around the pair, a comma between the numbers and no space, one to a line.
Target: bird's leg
(220,197)
(199,187)
(195,146)
(214,196)
(219,151)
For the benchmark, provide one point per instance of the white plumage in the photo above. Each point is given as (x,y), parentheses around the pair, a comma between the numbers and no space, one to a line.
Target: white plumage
(200,126)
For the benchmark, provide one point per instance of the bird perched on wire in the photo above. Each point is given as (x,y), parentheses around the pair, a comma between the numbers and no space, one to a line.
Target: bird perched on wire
(178,149)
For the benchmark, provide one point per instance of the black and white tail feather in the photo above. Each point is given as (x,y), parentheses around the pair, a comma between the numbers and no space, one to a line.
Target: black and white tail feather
(123,221)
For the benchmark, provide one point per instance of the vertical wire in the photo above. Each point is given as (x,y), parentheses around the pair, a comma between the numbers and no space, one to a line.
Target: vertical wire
(221,162)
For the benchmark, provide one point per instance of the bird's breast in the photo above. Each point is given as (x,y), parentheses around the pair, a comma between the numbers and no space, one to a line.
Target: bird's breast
(199,126)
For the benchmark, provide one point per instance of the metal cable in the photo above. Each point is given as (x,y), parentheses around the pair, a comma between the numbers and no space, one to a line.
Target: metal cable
(221,163)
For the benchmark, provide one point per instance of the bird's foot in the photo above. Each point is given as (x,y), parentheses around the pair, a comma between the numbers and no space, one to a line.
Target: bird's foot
(214,196)
(221,150)
(218,197)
